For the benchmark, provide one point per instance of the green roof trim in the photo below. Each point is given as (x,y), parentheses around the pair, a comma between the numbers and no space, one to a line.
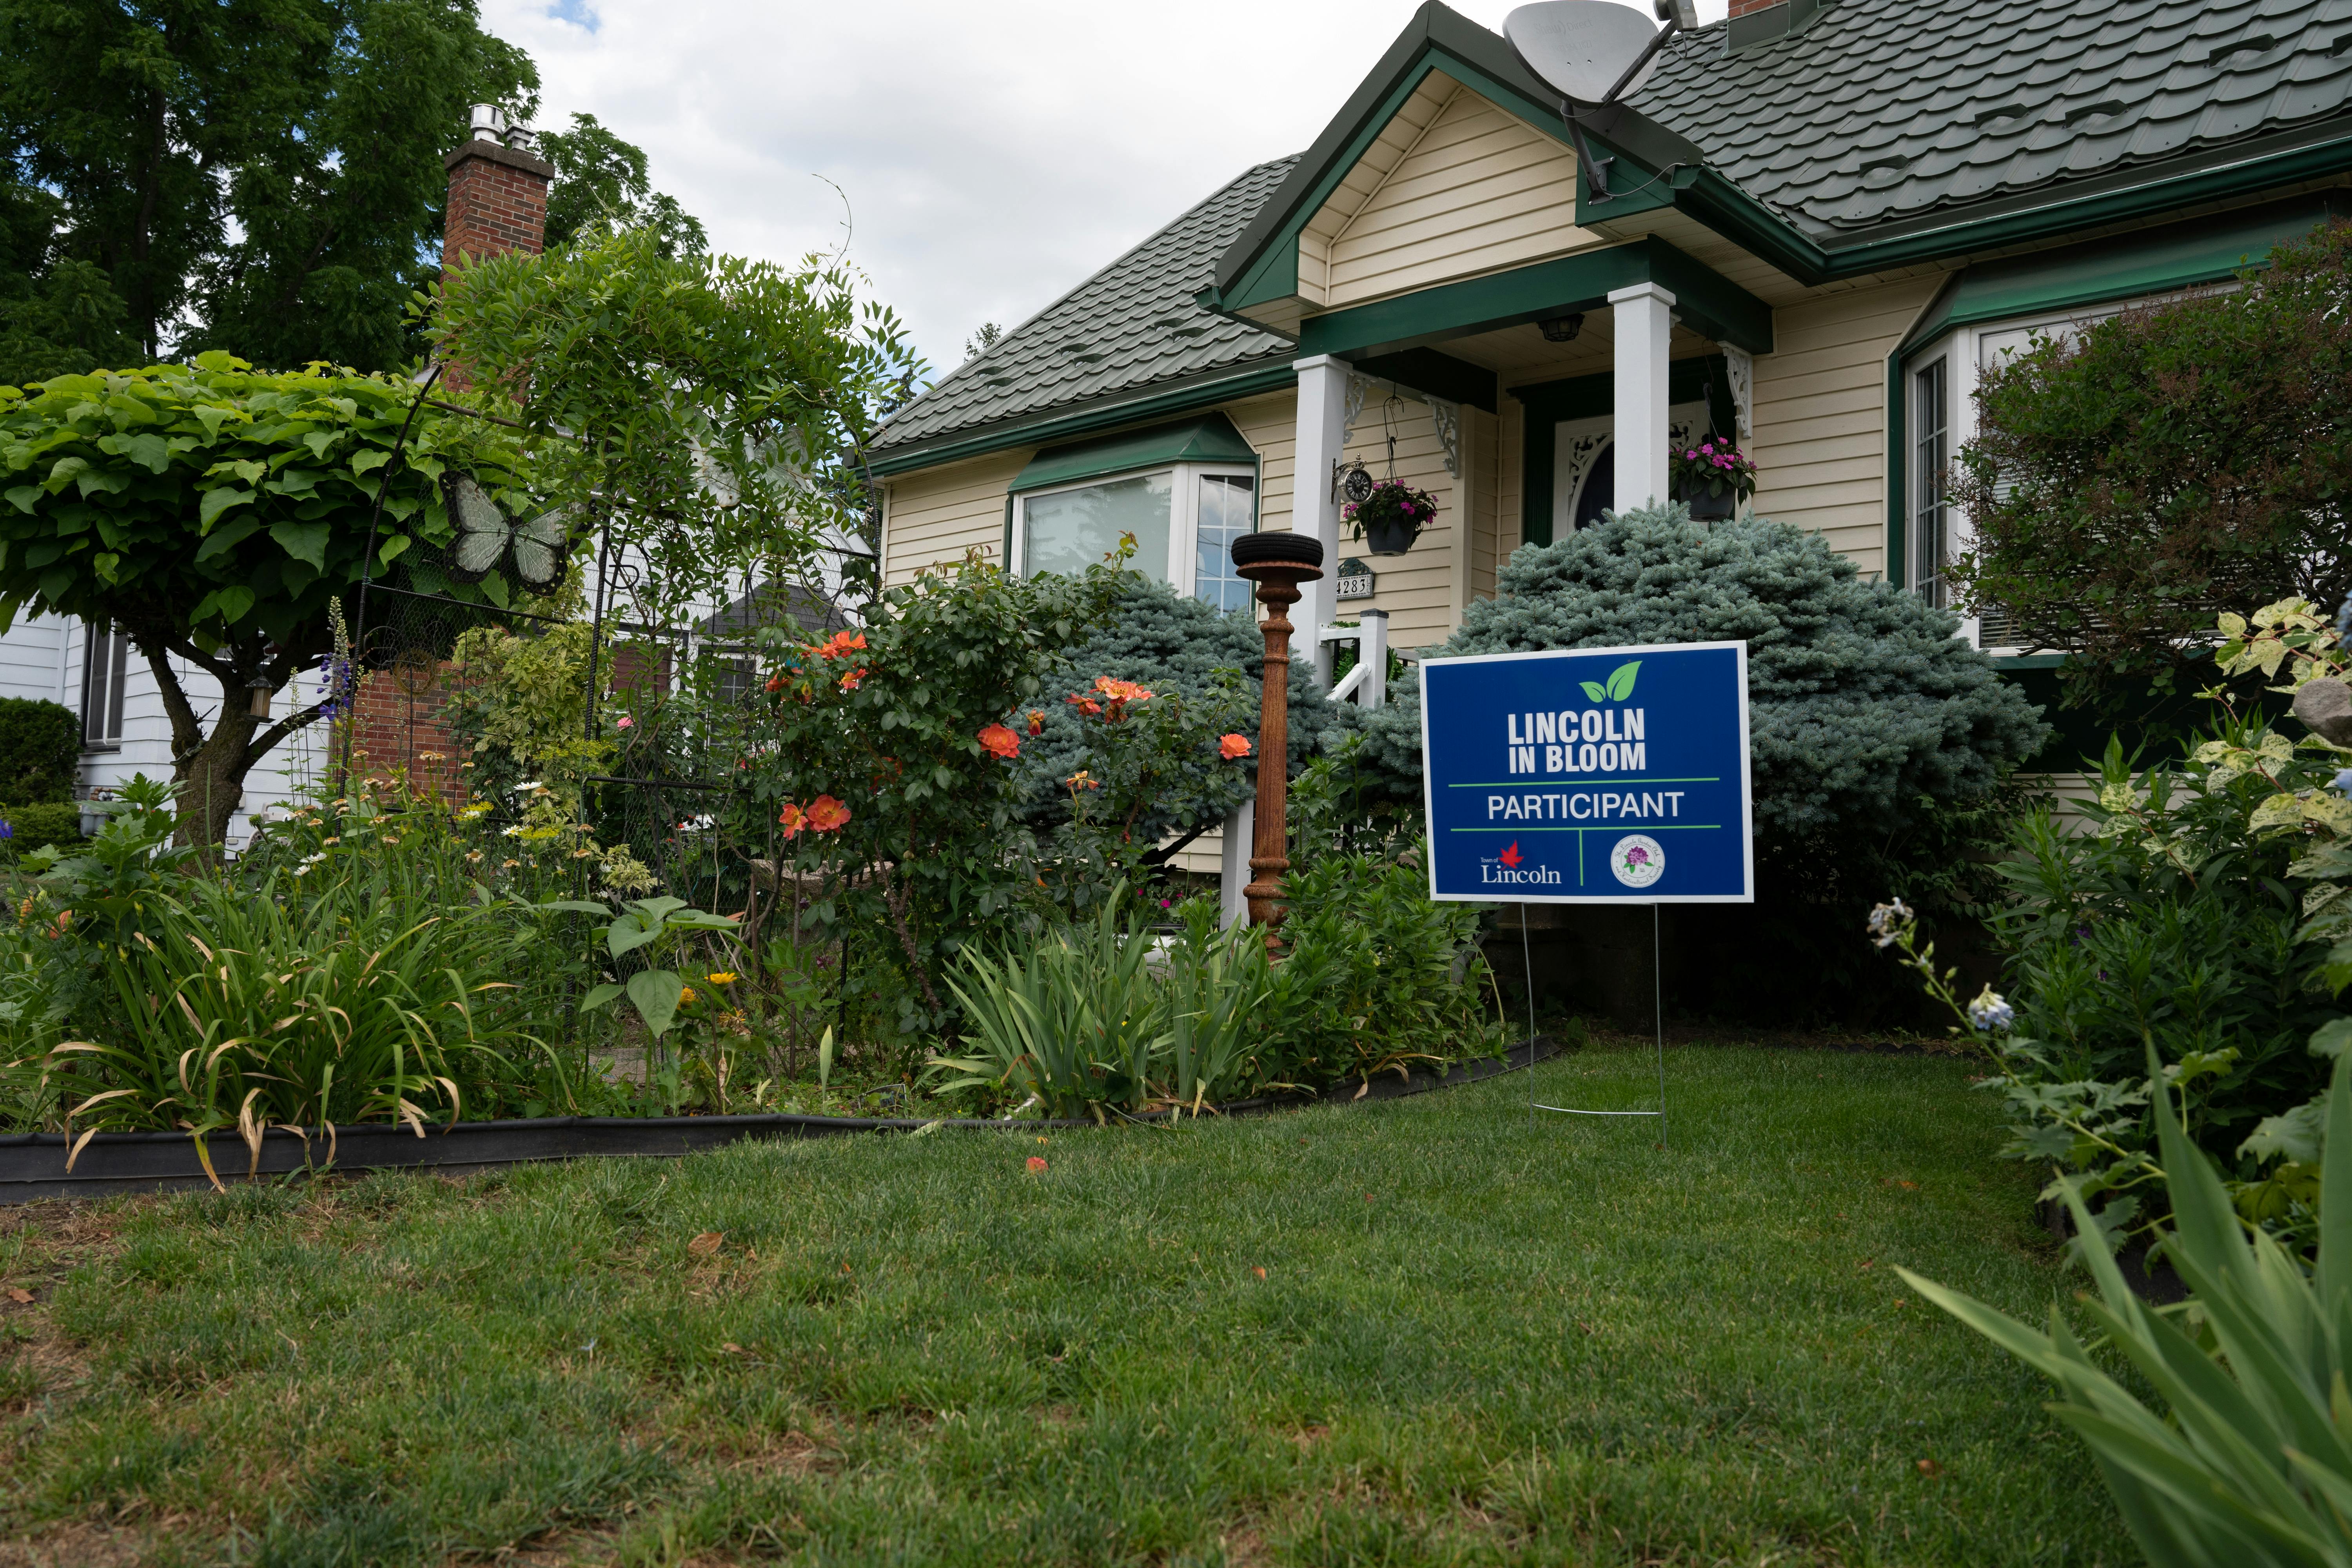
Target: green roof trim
(2132,266)
(1201,393)
(1704,298)
(1210,439)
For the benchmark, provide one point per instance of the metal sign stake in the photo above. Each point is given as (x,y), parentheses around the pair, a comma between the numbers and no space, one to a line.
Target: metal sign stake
(1658,1016)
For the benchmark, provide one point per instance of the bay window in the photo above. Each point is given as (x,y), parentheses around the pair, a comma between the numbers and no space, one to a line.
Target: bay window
(1072,506)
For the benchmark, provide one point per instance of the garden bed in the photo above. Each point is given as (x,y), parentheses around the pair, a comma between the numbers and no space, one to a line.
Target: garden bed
(33,1165)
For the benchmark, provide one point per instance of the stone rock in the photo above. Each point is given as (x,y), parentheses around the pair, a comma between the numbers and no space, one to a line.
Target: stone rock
(2326,709)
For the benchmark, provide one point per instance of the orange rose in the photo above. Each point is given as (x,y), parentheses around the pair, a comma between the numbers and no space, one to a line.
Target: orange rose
(1233,745)
(827,814)
(793,818)
(1000,741)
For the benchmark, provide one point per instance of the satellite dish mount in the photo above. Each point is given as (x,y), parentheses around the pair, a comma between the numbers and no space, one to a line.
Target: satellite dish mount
(1593,53)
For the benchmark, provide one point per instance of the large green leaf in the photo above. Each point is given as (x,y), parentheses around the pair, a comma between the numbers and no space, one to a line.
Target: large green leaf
(655,993)
(218,500)
(306,541)
(227,537)
(629,933)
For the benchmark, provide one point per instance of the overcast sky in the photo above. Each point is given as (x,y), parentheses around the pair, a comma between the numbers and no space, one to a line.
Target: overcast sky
(992,155)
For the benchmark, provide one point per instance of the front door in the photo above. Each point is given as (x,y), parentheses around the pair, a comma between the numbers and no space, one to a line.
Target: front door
(1584,466)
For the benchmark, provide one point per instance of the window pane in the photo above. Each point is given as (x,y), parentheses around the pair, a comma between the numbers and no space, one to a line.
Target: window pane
(1224,517)
(1072,530)
(1931,456)
(101,686)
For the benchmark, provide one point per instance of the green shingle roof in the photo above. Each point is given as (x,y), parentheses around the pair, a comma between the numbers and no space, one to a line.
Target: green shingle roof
(1877,117)
(1884,111)
(1130,327)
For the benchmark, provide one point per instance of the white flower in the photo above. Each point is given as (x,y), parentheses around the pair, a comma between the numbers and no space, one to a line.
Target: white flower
(1887,923)
(1990,1014)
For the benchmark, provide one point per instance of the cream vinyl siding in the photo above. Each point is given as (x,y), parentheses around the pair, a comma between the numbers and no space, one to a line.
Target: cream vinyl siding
(1270,424)
(1481,442)
(1821,415)
(1416,588)
(1362,181)
(934,515)
(1480,190)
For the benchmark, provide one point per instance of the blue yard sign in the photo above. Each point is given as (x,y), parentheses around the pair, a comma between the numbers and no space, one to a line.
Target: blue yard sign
(1590,775)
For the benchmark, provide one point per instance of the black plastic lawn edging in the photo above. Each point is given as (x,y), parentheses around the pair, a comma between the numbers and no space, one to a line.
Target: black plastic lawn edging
(33,1165)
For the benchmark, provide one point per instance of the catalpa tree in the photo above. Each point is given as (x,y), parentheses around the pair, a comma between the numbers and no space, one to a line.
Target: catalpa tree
(214,512)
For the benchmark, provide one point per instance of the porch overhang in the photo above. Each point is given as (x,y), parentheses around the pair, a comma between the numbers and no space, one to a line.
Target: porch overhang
(1706,301)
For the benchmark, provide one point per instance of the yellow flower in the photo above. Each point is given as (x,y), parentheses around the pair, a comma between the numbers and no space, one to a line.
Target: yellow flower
(724,977)
(685,994)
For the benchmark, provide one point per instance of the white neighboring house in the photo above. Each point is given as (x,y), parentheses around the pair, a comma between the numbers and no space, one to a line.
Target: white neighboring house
(124,730)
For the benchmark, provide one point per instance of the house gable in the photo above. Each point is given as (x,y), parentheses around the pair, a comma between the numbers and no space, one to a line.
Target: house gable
(1453,186)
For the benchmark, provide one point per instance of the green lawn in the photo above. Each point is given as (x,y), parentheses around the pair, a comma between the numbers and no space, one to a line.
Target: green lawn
(1406,1332)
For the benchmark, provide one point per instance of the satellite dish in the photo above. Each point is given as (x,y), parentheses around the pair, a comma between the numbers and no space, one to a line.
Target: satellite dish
(1582,47)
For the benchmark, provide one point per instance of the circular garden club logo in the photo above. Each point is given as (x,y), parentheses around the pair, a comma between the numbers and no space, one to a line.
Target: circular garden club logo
(1637,860)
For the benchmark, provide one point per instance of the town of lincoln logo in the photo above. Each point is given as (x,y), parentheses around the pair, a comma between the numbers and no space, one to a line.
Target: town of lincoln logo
(1512,857)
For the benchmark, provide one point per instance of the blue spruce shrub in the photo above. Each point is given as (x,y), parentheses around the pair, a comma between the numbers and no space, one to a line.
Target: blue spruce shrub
(1862,702)
(1177,646)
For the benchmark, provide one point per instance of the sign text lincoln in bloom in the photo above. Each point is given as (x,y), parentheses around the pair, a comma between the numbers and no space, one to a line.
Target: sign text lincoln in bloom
(1590,775)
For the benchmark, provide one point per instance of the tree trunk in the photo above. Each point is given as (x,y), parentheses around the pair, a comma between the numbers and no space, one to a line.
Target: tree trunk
(212,777)
(209,770)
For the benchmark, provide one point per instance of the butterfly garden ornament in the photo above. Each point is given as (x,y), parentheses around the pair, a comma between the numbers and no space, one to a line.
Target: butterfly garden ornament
(530,550)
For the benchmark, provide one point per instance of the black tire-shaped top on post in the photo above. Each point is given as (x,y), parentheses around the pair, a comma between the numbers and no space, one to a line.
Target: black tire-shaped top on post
(1295,549)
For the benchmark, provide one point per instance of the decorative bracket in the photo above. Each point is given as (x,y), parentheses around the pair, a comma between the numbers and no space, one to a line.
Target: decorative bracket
(1447,418)
(1740,367)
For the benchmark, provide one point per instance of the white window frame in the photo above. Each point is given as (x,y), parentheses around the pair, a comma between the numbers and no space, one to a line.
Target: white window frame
(1183,511)
(105,676)
(1927,490)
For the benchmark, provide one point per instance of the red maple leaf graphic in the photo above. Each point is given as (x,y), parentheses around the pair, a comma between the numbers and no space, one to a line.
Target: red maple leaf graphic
(1512,857)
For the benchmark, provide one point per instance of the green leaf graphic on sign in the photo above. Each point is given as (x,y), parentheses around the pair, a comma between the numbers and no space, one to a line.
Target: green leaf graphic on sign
(1621,681)
(1595,691)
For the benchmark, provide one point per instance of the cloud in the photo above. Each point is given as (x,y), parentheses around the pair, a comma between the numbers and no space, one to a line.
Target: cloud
(992,156)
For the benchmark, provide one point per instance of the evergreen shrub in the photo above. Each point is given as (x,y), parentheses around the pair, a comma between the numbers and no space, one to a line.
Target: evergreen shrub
(37,825)
(1879,740)
(40,751)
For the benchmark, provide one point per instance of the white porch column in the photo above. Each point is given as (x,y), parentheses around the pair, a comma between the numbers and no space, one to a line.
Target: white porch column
(1234,867)
(1322,435)
(1643,317)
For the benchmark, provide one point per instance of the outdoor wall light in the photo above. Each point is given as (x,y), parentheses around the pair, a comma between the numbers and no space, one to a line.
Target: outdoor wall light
(1562,328)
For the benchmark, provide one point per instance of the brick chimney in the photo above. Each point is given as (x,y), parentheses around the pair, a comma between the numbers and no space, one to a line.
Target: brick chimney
(498,191)
(1741,7)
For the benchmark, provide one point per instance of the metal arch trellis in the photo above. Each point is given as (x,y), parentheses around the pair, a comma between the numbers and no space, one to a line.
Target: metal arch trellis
(402,635)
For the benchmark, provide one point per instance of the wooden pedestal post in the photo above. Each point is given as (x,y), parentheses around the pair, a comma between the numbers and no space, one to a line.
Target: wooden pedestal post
(1277,563)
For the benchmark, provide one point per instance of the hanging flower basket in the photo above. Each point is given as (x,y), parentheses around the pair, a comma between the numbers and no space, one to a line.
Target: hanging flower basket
(1389,518)
(1711,476)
